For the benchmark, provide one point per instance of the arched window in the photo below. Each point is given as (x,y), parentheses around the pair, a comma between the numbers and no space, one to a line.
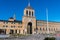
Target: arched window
(32,13)
(29,13)
(26,12)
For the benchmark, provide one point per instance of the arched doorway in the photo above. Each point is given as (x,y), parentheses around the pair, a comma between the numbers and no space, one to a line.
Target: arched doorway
(2,31)
(29,28)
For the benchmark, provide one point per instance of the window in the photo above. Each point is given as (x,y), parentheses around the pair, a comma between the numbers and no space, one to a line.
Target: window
(32,13)
(23,31)
(43,29)
(36,28)
(19,31)
(15,31)
(6,26)
(14,26)
(11,26)
(3,25)
(19,26)
(26,12)
(29,13)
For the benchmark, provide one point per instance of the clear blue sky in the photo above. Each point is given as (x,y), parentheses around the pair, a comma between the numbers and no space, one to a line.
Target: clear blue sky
(9,7)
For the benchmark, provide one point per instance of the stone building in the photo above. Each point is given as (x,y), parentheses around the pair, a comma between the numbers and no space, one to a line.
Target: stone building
(28,25)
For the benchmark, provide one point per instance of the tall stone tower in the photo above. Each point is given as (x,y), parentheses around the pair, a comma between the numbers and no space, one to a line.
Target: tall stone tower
(29,20)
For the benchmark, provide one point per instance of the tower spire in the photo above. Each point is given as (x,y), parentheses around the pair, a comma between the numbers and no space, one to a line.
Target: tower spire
(28,2)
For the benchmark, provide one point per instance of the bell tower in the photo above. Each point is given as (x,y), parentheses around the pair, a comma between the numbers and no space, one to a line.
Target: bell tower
(28,11)
(29,20)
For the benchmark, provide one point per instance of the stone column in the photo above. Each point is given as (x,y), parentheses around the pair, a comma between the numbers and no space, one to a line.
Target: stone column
(17,31)
(7,31)
(28,12)
(31,13)
(14,31)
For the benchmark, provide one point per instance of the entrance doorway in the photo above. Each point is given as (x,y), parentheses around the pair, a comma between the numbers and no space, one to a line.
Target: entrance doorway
(2,31)
(29,28)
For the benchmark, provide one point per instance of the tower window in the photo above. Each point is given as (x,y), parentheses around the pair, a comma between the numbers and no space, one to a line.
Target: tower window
(26,12)
(32,13)
(29,13)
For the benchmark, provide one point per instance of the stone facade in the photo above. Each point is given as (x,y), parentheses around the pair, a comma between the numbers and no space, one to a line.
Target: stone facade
(28,25)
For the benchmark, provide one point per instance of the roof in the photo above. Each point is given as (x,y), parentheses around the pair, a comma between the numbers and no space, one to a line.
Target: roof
(29,7)
(48,21)
(11,21)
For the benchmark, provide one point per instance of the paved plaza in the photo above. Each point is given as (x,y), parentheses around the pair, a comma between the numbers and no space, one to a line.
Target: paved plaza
(31,37)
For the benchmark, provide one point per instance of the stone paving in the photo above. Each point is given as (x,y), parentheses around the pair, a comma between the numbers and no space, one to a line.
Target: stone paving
(31,37)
